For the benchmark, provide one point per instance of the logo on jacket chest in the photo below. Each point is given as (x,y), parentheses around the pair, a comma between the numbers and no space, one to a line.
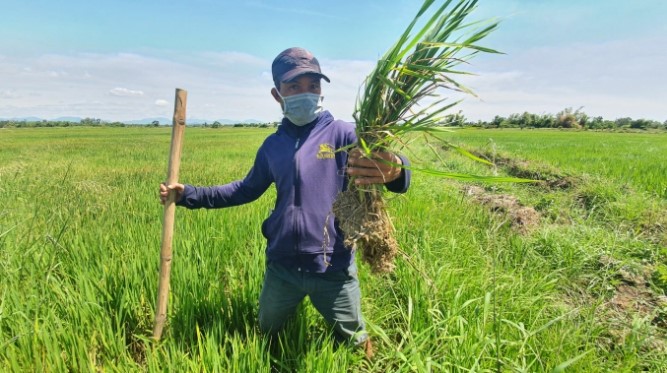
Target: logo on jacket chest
(326,151)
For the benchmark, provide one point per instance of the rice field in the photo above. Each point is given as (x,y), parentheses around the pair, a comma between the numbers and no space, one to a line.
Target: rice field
(475,289)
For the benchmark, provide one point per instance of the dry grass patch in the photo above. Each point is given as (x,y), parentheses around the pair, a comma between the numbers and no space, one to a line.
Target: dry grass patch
(634,299)
(547,176)
(523,219)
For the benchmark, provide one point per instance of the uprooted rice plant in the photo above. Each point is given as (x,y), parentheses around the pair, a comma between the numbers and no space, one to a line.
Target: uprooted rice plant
(405,94)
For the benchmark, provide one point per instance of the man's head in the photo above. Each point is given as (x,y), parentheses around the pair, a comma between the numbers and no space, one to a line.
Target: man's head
(292,63)
(297,76)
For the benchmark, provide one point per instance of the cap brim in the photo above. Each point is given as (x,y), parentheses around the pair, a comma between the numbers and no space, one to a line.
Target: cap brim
(291,75)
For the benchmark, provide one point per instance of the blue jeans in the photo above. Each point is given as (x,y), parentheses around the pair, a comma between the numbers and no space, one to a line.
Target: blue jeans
(335,295)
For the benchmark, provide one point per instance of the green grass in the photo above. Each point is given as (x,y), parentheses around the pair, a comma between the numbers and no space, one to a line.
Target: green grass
(80,227)
(633,159)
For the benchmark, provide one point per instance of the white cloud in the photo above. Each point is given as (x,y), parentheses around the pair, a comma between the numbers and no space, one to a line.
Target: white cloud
(125,92)
(231,59)
(623,78)
(614,79)
(346,77)
(8,93)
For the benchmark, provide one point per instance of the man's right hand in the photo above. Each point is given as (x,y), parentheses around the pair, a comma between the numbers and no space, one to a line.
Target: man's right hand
(179,189)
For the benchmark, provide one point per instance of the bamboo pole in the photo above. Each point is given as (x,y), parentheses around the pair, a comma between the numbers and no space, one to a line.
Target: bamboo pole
(177,130)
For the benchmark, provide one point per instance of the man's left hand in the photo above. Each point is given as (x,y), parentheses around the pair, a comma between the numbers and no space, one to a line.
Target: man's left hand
(380,168)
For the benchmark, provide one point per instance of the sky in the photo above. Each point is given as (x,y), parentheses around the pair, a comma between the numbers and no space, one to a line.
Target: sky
(122,60)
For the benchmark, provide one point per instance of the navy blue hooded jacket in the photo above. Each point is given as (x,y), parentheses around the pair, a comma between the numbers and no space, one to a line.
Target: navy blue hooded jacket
(309,174)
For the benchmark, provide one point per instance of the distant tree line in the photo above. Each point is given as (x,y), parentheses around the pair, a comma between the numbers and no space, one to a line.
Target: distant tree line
(217,124)
(96,122)
(85,122)
(567,119)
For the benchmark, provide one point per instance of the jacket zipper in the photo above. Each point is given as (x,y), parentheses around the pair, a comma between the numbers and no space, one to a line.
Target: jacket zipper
(297,195)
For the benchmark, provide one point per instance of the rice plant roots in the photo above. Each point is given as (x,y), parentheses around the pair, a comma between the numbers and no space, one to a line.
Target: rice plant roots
(367,226)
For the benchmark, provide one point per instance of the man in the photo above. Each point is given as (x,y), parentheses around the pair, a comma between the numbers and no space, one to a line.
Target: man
(305,250)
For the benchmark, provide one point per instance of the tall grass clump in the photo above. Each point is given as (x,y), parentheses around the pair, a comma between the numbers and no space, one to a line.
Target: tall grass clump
(412,72)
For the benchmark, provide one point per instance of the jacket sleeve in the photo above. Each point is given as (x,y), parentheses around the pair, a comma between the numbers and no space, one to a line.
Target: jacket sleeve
(235,193)
(401,184)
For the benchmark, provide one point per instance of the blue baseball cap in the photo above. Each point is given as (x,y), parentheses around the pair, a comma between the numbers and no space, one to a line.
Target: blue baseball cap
(294,62)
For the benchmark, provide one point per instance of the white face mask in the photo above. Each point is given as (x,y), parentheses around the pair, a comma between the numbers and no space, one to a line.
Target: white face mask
(303,108)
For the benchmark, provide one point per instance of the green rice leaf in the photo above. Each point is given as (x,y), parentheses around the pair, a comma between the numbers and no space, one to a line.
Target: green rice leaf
(468,177)
(561,367)
(469,155)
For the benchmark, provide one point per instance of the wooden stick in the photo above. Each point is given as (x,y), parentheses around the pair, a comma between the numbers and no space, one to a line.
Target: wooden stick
(177,130)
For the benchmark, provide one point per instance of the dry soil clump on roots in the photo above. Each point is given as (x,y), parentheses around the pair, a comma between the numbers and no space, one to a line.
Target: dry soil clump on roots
(363,218)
